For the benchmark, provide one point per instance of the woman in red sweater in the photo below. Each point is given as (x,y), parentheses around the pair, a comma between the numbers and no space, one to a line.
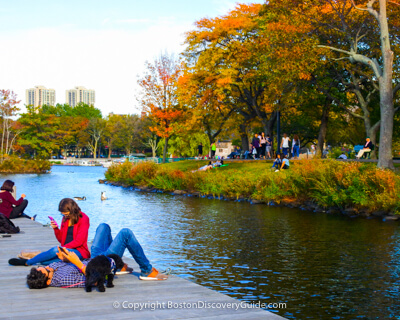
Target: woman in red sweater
(7,202)
(73,235)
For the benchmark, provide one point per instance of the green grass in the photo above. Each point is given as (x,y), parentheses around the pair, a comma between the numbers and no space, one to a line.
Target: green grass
(326,183)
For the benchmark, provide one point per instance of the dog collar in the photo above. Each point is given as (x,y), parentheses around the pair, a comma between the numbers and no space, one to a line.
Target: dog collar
(113,265)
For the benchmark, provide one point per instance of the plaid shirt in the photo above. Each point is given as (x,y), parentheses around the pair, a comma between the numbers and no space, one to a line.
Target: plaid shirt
(67,275)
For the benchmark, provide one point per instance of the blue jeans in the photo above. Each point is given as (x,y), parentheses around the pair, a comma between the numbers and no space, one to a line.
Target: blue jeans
(296,151)
(285,151)
(277,165)
(49,256)
(103,243)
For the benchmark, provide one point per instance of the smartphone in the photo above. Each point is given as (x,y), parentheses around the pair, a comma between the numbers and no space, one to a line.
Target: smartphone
(52,219)
(63,250)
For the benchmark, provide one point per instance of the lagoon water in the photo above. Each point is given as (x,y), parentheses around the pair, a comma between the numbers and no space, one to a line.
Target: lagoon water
(321,266)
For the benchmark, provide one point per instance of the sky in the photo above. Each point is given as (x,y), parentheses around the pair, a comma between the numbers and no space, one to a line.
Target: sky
(99,44)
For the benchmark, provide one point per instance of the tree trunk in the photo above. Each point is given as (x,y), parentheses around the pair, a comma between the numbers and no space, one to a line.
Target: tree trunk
(165,150)
(386,93)
(244,137)
(323,129)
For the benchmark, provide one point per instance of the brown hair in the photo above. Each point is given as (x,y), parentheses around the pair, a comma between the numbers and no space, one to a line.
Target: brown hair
(69,205)
(7,186)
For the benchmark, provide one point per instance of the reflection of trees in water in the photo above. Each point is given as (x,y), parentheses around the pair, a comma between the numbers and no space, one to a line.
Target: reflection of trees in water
(321,265)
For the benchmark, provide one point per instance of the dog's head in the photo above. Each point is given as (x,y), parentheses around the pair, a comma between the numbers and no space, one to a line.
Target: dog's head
(115,262)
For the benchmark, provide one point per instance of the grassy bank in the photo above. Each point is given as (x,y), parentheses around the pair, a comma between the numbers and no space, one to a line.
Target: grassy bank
(17,165)
(351,187)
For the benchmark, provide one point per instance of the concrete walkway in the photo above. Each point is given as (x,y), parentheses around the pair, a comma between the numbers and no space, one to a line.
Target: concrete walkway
(170,299)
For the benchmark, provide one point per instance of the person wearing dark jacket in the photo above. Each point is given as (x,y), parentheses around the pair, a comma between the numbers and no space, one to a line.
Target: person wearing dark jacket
(256,144)
(367,148)
(9,206)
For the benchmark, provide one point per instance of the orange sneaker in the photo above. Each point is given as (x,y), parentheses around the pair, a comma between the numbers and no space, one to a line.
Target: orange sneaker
(153,275)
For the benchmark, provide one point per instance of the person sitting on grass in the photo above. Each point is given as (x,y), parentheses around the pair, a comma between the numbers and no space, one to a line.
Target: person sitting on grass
(285,162)
(278,161)
(72,274)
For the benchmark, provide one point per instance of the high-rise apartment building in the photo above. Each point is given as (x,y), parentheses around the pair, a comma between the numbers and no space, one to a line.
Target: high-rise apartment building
(79,94)
(40,96)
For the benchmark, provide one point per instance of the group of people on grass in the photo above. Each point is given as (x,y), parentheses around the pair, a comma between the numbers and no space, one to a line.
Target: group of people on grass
(66,268)
(261,147)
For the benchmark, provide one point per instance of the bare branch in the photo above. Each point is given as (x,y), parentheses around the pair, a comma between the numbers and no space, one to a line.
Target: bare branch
(396,88)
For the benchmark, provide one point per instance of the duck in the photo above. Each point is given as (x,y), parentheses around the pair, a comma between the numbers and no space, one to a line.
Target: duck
(103,196)
(80,198)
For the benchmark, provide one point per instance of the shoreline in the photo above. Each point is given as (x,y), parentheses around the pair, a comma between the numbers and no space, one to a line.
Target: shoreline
(306,206)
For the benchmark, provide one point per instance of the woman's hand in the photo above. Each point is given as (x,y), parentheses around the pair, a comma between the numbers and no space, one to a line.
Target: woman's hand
(23,195)
(68,256)
(53,224)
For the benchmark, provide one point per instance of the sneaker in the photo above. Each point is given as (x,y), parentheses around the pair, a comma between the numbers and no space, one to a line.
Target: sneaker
(17,262)
(153,275)
(124,270)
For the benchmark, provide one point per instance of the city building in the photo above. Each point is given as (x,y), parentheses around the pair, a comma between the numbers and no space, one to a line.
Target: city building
(39,96)
(79,94)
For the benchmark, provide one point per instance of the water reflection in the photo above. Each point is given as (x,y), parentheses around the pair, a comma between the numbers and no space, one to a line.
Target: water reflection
(322,266)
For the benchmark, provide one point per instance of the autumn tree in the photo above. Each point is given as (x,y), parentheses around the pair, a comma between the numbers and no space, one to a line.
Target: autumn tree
(8,109)
(363,29)
(39,133)
(158,96)
(253,61)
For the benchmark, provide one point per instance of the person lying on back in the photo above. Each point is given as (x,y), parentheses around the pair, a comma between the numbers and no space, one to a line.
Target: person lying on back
(71,274)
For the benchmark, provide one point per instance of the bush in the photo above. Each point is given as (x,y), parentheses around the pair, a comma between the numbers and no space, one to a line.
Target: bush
(327,183)
(12,164)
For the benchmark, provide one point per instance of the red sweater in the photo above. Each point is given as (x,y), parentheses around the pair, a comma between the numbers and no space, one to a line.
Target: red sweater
(6,202)
(80,234)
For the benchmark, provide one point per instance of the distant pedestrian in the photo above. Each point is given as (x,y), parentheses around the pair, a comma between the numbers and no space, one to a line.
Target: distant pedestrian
(213,149)
(200,150)
(296,146)
(268,147)
(285,144)
(313,149)
(256,144)
(263,142)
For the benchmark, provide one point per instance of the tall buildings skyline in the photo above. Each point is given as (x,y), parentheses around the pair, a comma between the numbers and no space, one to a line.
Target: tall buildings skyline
(79,94)
(40,95)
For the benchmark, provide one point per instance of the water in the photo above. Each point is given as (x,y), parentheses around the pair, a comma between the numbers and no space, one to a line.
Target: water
(321,266)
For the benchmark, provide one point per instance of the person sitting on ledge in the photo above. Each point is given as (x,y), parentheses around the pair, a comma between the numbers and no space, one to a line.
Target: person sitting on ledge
(10,207)
(72,274)
(73,235)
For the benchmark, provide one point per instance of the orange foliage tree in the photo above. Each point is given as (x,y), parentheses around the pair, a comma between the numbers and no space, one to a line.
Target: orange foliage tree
(364,32)
(251,63)
(158,96)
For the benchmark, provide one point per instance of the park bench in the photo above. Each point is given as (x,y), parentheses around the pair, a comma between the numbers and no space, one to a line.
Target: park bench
(358,147)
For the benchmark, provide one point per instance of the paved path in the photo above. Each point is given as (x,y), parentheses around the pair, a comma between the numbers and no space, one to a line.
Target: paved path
(19,302)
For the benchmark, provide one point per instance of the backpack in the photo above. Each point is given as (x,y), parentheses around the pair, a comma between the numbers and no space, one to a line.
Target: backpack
(6,225)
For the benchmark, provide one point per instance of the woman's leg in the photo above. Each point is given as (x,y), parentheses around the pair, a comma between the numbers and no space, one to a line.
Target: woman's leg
(18,211)
(125,239)
(102,240)
(47,262)
(44,256)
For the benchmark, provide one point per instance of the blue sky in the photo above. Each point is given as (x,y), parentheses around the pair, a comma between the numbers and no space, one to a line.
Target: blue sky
(99,44)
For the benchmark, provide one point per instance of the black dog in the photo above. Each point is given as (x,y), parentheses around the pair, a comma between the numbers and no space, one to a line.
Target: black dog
(101,269)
